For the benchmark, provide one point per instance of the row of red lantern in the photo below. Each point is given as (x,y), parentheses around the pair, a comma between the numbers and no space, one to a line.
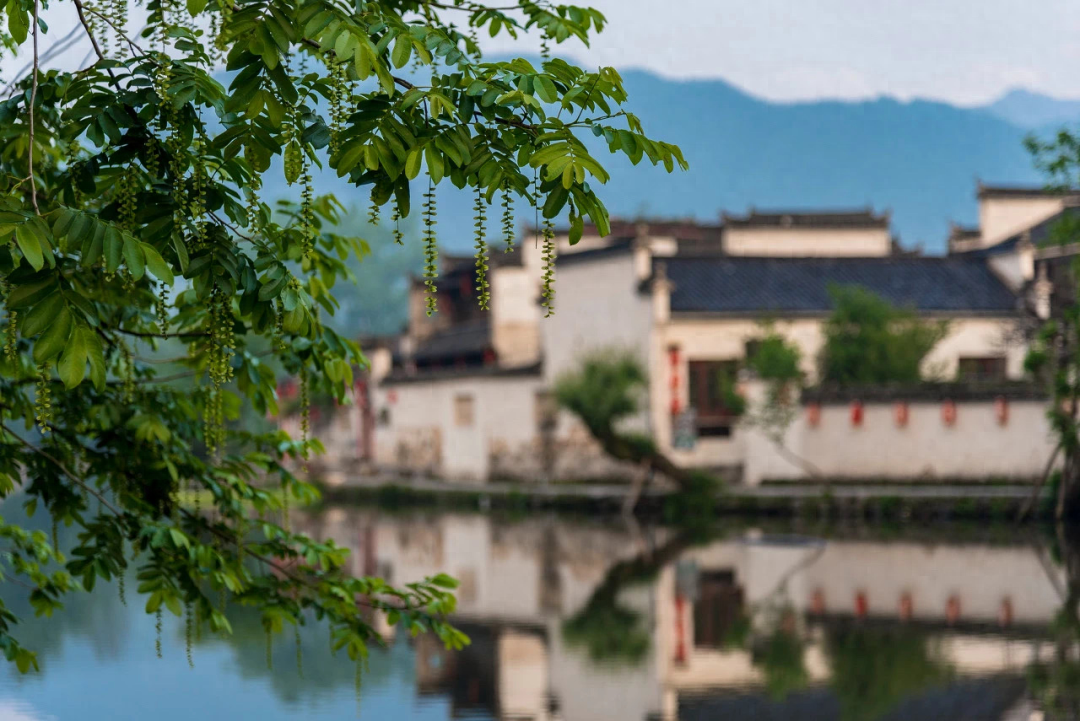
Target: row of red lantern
(902,413)
(907,607)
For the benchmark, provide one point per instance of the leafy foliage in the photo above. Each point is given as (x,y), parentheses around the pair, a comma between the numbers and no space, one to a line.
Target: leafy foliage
(867,340)
(873,670)
(605,390)
(130,216)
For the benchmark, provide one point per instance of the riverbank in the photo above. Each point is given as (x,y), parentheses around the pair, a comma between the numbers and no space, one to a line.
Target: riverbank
(870,501)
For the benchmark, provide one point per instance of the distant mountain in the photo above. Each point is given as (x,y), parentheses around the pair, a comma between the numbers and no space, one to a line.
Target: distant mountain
(1033,110)
(920,159)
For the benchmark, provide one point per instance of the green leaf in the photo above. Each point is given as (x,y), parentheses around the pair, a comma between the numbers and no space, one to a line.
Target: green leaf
(18,22)
(42,315)
(135,257)
(72,365)
(96,354)
(402,50)
(195,6)
(29,245)
(53,340)
(114,248)
(157,265)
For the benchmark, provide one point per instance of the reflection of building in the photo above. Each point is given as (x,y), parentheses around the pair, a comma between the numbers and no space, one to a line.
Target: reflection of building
(467,394)
(982,608)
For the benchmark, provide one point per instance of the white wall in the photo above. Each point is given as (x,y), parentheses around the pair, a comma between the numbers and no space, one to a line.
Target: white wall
(802,242)
(725,339)
(515,315)
(504,409)
(975,447)
(1003,217)
(598,306)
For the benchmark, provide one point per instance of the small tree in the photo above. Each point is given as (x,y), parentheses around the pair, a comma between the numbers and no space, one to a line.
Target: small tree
(868,340)
(604,391)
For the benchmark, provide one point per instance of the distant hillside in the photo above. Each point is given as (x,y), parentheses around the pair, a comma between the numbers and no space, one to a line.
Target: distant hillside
(1032,110)
(920,159)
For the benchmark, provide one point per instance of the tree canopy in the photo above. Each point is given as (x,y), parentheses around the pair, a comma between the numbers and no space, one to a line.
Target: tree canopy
(868,340)
(131,216)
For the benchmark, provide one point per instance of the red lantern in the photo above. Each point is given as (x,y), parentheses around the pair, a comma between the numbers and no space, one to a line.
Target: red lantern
(861,604)
(680,635)
(391,397)
(856,413)
(948,413)
(1005,613)
(813,415)
(1001,410)
(673,361)
(907,606)
(952,609)
(900,412)
(817,603)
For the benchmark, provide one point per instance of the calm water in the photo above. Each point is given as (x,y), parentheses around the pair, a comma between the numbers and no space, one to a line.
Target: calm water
(586,621)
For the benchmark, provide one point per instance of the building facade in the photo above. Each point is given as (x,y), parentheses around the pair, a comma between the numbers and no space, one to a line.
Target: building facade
(467,394)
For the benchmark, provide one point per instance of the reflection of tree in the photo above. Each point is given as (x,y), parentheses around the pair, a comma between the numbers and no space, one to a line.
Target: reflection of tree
(874,669)
(1056,683)
(780,658)
(608,630)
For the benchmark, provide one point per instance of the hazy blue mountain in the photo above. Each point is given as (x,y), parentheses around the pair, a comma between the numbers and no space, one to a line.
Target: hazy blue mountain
(920,159)
(1033,110)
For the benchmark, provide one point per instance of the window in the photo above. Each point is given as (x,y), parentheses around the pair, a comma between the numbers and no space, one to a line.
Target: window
(718,609)
(713,397)
(464,413)
(991,368)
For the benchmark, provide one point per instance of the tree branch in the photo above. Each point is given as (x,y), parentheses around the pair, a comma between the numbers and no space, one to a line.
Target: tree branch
(86,26)
(63,469)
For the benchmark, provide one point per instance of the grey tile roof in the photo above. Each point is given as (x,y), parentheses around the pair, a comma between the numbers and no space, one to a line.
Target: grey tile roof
(747,285)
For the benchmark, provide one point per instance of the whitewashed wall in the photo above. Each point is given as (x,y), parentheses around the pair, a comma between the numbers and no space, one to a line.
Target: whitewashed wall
(804,242)
(975,447)
(504,410)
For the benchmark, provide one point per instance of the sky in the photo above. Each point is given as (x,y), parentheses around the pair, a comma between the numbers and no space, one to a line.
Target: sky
(966,52)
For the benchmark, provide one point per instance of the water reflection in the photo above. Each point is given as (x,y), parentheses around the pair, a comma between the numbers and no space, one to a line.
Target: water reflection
(581,620)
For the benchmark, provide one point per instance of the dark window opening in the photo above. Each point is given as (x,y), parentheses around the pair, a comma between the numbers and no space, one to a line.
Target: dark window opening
(718,609)
(712,395)
(981,369)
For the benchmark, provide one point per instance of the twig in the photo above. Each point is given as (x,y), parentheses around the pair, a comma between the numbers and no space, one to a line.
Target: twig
(63,469)
(33,98)
(86,26)
(134,47)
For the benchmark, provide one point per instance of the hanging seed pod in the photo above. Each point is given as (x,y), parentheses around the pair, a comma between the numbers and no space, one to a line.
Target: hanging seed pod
(189,628)
(395,217)
(299,654)
(305,415)
(157,632)
(43,399)
(162,309)
(11,341)
(373,212)
(55,536)
(431,249)
(483,290)
(508,219)
(120,587)
(545,48)
(285,506)
(307,215)
(197,204)
(254,206)
(548,256)
(127,373)
(127,199)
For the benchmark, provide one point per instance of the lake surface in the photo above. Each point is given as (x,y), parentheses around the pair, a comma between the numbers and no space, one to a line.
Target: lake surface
(585,620)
